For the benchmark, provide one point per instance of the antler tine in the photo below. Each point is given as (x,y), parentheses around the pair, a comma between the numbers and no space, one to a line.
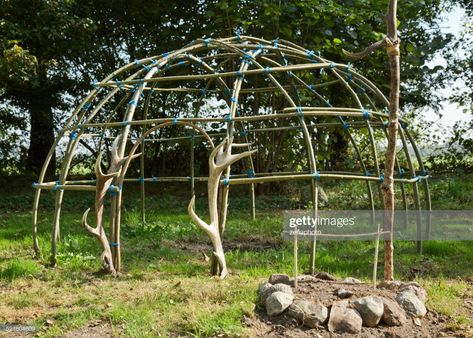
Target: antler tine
(241,145)
(217,150)
(191,210)
(87,227)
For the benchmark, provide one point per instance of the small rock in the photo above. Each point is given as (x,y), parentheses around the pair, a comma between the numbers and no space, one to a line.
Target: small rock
(351,280)
(50,322)
(342,293)
(416,289)
(264,291)
(343,319)
(393,314)
(277,302)
(417,322)
(267,289)
(276,278)
(371,310)
(411,303)
(325,275)
(391,284)
(308,313)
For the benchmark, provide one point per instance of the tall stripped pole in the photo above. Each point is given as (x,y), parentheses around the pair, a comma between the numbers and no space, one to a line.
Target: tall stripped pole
(391,43)
(388,186)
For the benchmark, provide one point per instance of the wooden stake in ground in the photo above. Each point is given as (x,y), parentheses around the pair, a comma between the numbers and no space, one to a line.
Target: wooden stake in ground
(391,42)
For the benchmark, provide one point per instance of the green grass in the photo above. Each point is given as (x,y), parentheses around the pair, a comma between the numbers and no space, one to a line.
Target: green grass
(165,288)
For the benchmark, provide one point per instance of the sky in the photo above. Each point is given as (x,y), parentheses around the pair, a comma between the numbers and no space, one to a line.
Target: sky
(452,112)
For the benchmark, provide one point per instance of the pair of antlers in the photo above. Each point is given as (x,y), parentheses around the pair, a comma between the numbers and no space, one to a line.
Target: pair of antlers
(220,159)
(103,183)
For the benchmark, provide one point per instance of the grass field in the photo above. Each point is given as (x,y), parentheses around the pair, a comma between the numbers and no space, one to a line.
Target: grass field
(165,289)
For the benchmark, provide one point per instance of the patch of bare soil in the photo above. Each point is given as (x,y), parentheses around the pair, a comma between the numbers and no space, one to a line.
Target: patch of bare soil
(94,329)
(317,290)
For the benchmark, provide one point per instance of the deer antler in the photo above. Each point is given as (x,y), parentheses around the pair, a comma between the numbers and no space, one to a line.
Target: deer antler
(220,159)
(103,184)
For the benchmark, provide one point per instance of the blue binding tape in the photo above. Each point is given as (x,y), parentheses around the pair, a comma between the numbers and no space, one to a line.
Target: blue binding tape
(174,121)
(402,173)
(125,123)
(114,244)
(239,74)
(366,114)
(119,84)
(316,176)
(73,135)
(385,124)
(424,173)
(346,125)
(381,178)
(267,70)
(203,92)
(57,186)
(367,173)
(141,180)
(310,54)
(233,99)
(34,184)
(132,103)
(207,41)
(331,66)
(226,181)
(154,179)
(403,124)
(132,89)
(347,68)
(228,118)
(260,46)
(275,43)
(244,132)
(250,173)
(299,111)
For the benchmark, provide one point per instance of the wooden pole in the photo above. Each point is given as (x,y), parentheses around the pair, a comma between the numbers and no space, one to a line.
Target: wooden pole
(388,185)
(375,263)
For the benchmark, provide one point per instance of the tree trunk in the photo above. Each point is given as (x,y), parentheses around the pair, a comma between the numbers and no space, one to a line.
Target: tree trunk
(388,185)
(41,134)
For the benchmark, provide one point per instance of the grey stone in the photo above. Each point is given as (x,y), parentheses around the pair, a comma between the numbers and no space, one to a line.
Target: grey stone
(371,310)
(416,289)
(276,278)
(351,280)
(267,289)
(343,319)
(277,302)
(342,293)
(393,314)
(308,313)
(411,303)
(325,275)
(264,291)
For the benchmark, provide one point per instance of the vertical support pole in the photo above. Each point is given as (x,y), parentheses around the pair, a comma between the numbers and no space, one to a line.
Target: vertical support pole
(253,201)
(296,260)
(142,183)
(375,263)
(315,201)
(192,164)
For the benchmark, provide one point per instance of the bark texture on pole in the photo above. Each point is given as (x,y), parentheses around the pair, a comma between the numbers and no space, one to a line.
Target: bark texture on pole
(388,184)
